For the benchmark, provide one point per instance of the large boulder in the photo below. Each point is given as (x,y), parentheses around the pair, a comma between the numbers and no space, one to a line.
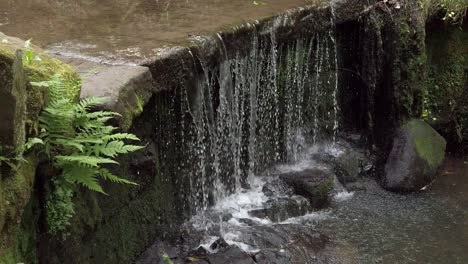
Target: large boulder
(314,184)
(417,153)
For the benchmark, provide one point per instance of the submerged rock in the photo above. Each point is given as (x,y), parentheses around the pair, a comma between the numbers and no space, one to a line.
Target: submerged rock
(417,152)
(314,184)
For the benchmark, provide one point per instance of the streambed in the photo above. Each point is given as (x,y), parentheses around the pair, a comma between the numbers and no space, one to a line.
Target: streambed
(365,225)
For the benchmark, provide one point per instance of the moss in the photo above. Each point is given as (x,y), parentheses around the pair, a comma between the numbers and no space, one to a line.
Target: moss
(16,187)
(429,145)
(446,93)
(15,191)
(36,71)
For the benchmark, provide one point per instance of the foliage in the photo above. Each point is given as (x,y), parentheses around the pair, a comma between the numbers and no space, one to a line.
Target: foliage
(59,207)
(28,54)
(78,142)
(13,159)
(455,10)
(167,259)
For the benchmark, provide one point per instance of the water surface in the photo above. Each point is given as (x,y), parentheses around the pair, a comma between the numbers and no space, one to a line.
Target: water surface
(127,30)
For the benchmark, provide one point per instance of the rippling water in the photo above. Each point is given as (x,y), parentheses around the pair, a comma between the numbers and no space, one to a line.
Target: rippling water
(126,30)
(366,226)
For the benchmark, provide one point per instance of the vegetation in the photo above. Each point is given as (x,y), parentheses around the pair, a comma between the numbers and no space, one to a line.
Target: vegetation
(78,142)
(455,10)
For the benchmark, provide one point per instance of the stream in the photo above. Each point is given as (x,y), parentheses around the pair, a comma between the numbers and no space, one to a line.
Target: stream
(364,224)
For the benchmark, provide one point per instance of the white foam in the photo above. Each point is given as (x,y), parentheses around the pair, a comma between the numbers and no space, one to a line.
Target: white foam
(343,196)
(310,217)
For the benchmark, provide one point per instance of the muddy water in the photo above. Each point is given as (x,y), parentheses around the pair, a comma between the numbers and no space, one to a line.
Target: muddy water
(126,30)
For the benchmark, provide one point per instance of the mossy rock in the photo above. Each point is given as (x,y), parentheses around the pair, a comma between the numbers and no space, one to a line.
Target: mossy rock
(17,184)
(314,184)
(417,153)
(40,69)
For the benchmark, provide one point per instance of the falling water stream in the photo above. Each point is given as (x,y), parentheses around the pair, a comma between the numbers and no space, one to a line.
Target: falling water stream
(271,110)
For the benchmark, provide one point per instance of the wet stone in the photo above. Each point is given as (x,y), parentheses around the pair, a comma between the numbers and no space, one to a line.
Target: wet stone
(314,184)
(230,255)
(349,165)
(280,209)
(220,243)
(273,257)
(277,187)
(248,221)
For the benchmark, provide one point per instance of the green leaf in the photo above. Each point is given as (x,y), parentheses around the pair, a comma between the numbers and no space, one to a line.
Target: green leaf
(121,136)
(84,176)
(85,160)
(107,175)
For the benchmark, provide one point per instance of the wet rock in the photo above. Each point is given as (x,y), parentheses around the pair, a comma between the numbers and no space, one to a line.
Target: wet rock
(199,251)
(356,187)
(349,164)
(156,253)
(220,243)
(314,184)
(276,187)
(195,260)
(230,255)
(280,209)
(248,221)
(273,257)
(417,153)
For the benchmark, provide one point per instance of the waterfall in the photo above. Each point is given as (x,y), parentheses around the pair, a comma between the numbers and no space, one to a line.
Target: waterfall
(249,110)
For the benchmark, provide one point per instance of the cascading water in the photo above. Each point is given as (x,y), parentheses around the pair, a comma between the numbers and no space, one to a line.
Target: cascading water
(264,107)
(247,110)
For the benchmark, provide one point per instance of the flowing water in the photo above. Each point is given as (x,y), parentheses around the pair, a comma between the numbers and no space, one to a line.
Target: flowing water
(223,137)
(126,31)
(367,225)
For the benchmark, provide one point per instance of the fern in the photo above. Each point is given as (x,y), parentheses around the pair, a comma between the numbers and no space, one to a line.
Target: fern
(79,142)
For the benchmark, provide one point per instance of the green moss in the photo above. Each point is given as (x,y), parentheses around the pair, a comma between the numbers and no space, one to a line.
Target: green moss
(446,93)
(429,145)
(15,191)
(37,71)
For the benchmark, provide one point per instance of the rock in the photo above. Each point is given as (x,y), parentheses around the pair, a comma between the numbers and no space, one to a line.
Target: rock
(230,255)
(155,254)
(349,163)
(314,184)
(273,257)
(276,187)
(220,243)
(417,152)
(13,99)
(280,209)
(248,221)
(126,88)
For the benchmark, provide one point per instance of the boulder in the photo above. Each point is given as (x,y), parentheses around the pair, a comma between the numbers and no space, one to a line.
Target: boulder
(314,184)
(417,153)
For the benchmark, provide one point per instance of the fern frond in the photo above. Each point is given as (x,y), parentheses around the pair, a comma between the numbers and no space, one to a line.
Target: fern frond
(85,176)
(107,175)
(121,136)
(90,102)
(83,160)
